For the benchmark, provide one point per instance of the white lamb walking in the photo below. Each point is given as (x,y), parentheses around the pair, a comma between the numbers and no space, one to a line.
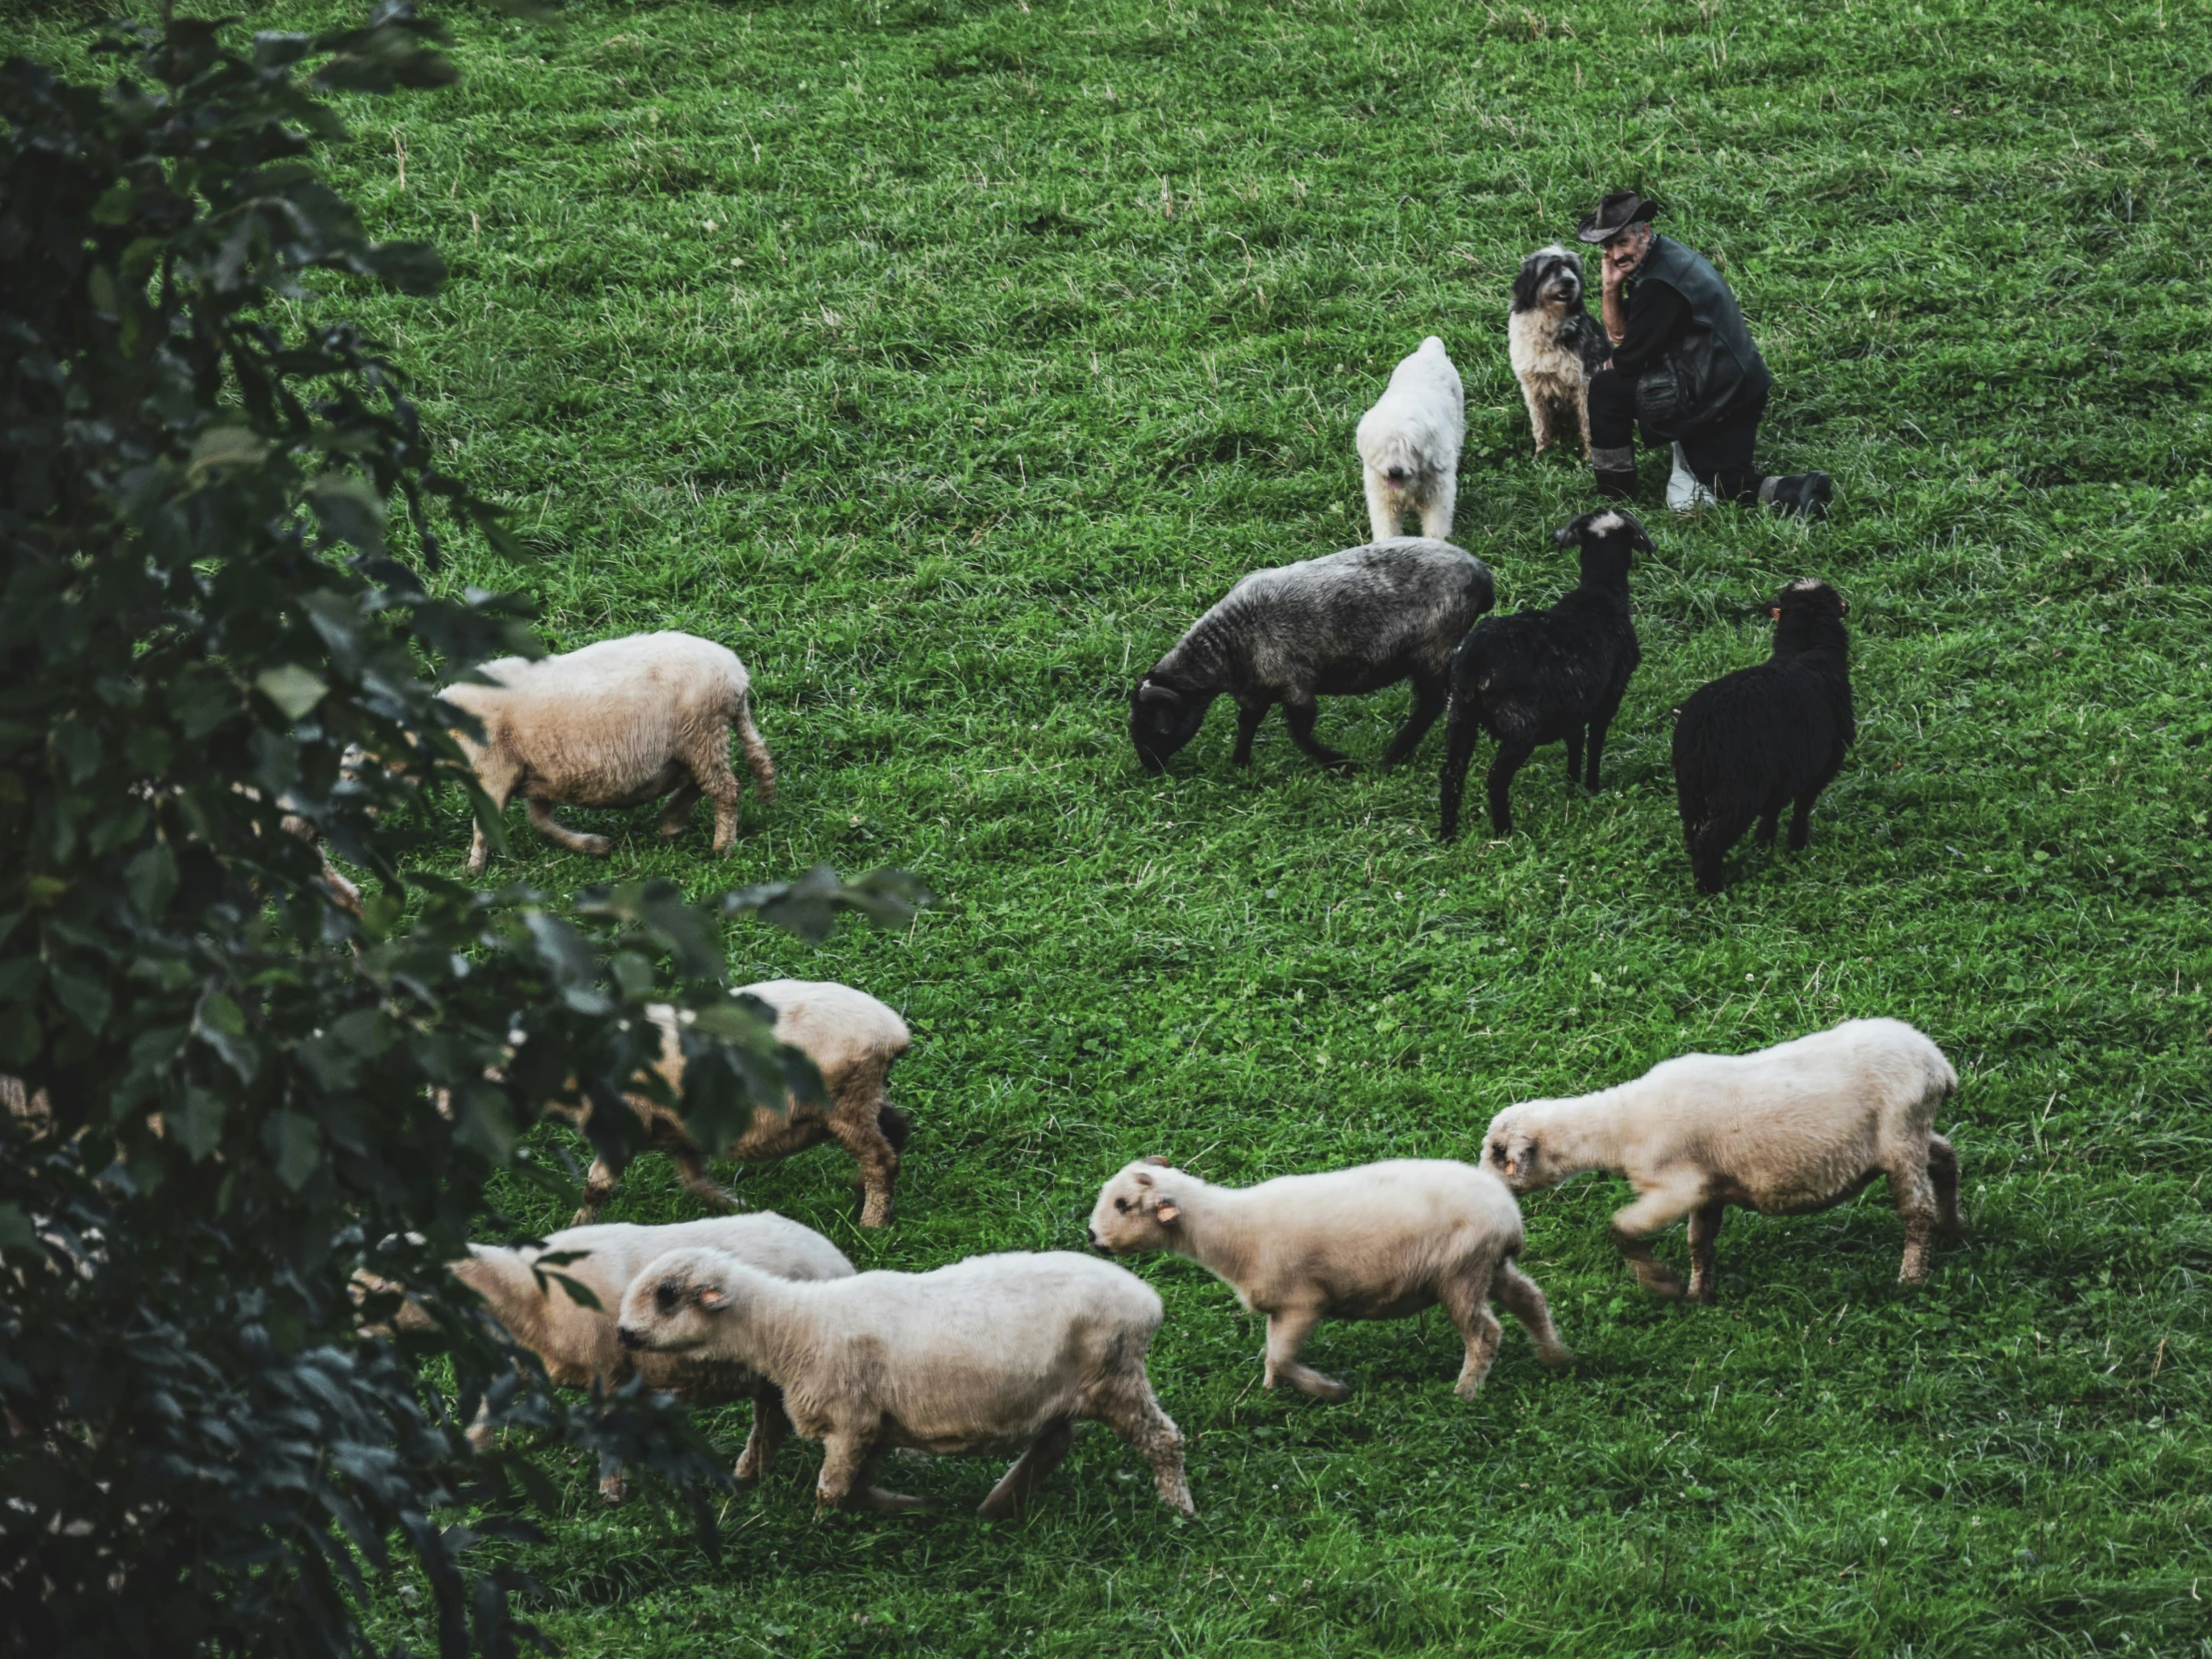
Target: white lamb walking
(1380,1242)
(1786,1131)
(1409,445)
(617,724)
(993,1353)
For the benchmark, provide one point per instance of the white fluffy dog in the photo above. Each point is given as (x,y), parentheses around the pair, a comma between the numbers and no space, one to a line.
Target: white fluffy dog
(1409,445)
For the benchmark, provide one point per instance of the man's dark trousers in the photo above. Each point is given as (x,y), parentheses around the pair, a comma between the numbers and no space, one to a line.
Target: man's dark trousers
(1720,454)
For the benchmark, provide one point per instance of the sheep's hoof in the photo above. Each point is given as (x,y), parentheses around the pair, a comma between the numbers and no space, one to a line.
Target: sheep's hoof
(1328,1389)
(599,846)
(1555,1358)
(614,1490)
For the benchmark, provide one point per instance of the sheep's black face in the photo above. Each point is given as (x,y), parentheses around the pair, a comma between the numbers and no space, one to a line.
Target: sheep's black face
(1809,597)
(1161,720)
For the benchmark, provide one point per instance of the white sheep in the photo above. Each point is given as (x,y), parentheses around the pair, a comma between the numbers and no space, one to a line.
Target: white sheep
(617,724)
(1379,1242)
(1409,445)
(990,1355)
(852,1040)
(579,1345)
(1785,1131)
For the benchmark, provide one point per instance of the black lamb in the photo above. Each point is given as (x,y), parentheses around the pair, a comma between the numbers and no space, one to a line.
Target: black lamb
(1337,626)
(1758,738)
(1540,677)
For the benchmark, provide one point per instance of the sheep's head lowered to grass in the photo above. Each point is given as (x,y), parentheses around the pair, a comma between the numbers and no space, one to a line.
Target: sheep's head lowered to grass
(1163,717)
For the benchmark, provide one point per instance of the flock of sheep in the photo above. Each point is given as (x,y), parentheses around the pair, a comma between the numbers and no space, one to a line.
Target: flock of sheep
(1005,1352)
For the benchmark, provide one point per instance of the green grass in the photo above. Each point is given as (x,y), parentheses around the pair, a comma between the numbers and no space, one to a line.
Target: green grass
(861,337)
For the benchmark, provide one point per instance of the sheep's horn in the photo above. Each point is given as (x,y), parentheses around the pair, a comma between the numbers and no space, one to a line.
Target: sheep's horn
(1150,692)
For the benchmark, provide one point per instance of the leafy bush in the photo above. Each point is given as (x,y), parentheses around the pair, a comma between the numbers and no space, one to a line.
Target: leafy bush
(229,1091)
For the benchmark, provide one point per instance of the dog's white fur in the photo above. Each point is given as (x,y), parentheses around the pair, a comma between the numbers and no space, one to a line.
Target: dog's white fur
(990,1354)
(1382,1241)
(1409,445)
(1784,1131)
(616,723)
(1552,373)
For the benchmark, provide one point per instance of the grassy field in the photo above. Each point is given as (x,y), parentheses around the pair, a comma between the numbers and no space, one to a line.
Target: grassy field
(947,359)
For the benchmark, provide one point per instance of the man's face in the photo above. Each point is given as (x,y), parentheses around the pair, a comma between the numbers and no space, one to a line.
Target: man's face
(1622,251)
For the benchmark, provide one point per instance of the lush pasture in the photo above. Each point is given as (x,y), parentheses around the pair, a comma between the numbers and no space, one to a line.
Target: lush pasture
(945,360)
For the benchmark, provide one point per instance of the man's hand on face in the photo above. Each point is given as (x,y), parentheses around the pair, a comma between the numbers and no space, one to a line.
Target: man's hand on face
(1621,255)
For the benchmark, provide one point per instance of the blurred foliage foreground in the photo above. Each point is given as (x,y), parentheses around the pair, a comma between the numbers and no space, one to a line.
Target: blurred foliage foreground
(228,1090)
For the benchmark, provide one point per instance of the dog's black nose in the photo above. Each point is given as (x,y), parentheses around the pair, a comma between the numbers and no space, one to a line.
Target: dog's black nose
(629,1337)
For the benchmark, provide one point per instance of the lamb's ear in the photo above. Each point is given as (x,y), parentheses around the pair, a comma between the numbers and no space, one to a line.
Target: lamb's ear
(1568,536)
(1163,1163)
(1165,1211)
(711,1299)
(1773,613)
(1843,606)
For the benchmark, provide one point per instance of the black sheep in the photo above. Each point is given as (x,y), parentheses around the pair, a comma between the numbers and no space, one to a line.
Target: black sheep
(1337,626)
(1754,740)
(1539,677)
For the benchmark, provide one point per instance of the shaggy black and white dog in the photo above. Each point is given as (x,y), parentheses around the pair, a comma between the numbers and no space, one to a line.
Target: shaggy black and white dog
(1556,344)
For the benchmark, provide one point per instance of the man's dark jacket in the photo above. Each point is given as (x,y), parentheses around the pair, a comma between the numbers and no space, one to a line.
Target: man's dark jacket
(1705,367)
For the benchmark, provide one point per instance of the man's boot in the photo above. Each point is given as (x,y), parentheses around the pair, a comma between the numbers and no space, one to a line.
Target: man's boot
(1799,496)
(1615,470)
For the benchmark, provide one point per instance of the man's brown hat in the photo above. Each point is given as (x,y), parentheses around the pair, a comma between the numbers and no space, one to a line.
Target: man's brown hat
(1614,215)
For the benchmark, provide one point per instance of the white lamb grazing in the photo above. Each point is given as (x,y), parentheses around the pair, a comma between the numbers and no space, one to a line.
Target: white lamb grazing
(990,1355)
(851,1039)
(1785,1131)
(1380,1242)
(579,1345)
(1409,445)
(616,723)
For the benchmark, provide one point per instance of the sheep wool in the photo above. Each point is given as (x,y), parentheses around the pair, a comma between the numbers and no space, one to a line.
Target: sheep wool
(617,724)
(990,1354)
(1341,625)
(1785,1131)
(1551,676)
(1382,1241)
(579,1345)
(852,1040)
(1763,738)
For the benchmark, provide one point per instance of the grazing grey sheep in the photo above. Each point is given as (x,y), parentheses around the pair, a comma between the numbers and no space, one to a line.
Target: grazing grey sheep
(1786,1131)
(1382,1241)
(1539,677)
(1751,743)
(992,1354)
(1409,446)
(1341,625)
